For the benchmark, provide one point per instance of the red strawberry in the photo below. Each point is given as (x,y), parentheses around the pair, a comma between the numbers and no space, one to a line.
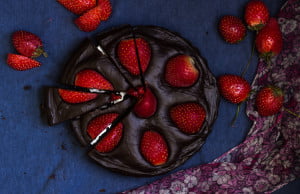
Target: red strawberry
(234,88)
(269,100)
(89,79)
(180,71)
(128,56)
(256,14)
(137,92)
(147,104)
(91,19)
(78,6)
(112,138)
(188,117)
(28,44)
(269,40)
(154,148)
(21,63)
(106,9)
(232,29)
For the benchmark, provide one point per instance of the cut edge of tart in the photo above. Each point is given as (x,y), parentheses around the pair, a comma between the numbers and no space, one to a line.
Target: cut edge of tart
(165,81)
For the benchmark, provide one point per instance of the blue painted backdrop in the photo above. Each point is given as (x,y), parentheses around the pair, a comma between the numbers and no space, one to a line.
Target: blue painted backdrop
(36,158)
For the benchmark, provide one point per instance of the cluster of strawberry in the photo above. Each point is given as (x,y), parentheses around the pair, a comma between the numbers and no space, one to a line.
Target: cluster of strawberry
(29,46)
(268,43)
(235,89)
(91,12)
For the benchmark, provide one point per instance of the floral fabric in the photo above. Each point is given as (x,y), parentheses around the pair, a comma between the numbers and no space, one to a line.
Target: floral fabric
(270,155)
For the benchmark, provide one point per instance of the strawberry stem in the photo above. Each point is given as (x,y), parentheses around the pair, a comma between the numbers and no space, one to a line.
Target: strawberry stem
(291,112)
(268,60)
(249,60)
(38,52)
(236,114)
(45,54)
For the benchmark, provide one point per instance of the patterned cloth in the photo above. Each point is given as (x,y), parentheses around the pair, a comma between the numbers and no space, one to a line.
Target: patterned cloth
(270,155)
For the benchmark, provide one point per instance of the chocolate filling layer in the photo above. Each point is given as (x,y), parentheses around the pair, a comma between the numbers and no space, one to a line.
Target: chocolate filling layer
(126,157)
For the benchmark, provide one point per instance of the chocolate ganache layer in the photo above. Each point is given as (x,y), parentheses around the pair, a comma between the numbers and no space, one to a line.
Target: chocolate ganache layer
(102,57)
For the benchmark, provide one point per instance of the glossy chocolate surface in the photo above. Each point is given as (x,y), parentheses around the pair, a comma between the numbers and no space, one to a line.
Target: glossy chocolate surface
(126,157)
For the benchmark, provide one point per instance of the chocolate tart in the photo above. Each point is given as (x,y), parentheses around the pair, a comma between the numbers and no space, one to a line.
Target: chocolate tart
(101,56)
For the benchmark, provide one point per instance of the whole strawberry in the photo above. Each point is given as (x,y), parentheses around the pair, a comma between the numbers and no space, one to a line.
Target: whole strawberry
(269,40)
(21,63)
(28,44)
(180,71)
(269,100)
(78,6)
(146,105)
(256,14)
(234,88)
(232,29)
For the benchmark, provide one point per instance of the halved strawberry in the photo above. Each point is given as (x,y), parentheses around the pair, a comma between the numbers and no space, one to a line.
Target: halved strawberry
(128,55)
(269,100)
(78,6)
(234,88)
(256,14)
(91,19)
(86,78)
(180,71)
(28,44)
(154,148)
(106,9)
(112,138)
(188,117)
(21,63)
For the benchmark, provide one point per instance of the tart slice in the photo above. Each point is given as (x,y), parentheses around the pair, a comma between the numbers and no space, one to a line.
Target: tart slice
(90,69)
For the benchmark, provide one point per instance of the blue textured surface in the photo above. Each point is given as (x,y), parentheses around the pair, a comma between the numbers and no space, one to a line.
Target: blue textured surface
(36,158)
